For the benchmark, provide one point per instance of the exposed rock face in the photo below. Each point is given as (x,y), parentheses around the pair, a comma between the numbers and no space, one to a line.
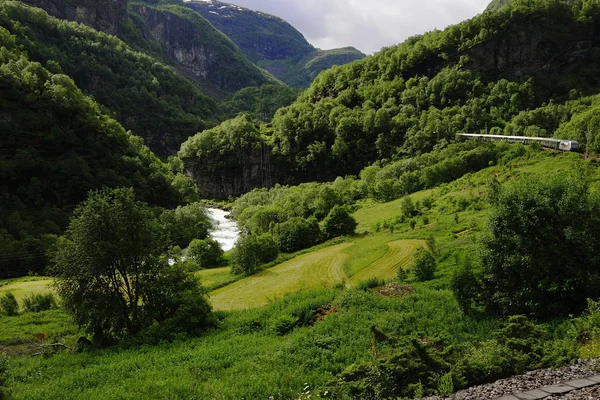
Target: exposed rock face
(234,174)
(198,50)
(521,52)
(103,15)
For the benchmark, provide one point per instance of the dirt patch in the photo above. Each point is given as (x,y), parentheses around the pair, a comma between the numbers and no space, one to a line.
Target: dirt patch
(322,312)
(395,290)
(465,233)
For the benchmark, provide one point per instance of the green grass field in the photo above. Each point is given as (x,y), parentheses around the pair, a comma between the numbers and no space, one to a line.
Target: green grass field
(26,286)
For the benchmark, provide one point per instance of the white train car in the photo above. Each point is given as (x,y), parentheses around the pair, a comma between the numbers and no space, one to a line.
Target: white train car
(557,144)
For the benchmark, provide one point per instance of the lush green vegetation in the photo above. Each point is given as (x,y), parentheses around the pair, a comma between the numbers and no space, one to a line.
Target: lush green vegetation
(260,102)
(56,146)
(336,339)
(114,276)
(145,96)
(410,98)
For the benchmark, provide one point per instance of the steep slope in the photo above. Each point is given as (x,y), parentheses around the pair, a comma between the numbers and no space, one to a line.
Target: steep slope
(197,49)
(55,146)
(147,97)
(475,76)
(172,34)
(272,43)
(107,16)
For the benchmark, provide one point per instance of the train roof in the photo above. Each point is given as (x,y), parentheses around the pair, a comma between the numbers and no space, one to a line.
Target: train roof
(515,137)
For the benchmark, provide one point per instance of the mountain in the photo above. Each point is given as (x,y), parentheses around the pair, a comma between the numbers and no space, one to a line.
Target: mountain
(525,69)
(272,43)
(496,4)
(56,145)
(198,50)
(170,33)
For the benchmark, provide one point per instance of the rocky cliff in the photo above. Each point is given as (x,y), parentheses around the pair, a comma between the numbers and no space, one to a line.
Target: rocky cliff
(197,49)
(103,15)
(272,43)
(234,173)
(533,50)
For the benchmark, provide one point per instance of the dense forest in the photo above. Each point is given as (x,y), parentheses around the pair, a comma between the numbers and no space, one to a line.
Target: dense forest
(57,145)
(410,98)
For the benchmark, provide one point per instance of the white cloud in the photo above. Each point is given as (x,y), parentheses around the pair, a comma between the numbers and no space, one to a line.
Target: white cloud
(366,24)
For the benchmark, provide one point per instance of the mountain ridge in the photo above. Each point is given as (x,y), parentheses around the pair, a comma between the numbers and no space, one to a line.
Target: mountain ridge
(272,43)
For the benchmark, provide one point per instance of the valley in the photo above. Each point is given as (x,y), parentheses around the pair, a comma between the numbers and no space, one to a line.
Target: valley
(197,203)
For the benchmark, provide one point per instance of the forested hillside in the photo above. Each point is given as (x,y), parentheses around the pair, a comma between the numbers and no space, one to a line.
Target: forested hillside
(57,145)
(147,97)
(524,69)
(272,43)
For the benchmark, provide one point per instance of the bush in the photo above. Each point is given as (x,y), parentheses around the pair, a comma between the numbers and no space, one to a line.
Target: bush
(251,251)
(267,248)
(297,234)
(541,251)
(466,287)
(186,223)
(205,253)
(424,265)
(9,305)
(112,273)
(39,302)
(339,222)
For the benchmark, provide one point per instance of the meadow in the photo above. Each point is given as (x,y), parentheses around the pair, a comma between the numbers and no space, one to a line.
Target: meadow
(307,325)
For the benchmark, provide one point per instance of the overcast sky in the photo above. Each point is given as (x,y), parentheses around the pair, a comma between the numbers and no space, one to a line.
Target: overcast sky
(367,25)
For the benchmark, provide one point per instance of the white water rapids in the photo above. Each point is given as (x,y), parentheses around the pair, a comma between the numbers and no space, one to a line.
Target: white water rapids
(225,230)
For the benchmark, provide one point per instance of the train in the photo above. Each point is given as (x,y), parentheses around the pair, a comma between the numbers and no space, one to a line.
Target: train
(556,144)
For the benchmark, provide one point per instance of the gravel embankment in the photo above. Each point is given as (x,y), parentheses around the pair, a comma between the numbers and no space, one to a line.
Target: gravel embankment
(534,380)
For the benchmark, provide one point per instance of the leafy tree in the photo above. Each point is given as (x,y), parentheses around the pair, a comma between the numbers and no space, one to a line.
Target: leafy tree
(111,274)
(339,222)
(541,251)
(297,234)
(9,305)
(186,223)
(424,264)
(206,253)
(251,251)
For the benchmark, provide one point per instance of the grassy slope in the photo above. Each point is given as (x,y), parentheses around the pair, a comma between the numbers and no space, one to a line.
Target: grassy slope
(246,359)
(26,286)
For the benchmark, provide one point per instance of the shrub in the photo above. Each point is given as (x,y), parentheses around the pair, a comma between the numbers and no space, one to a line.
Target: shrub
(370,283)
(297,234)
(9,305)
(466,287)
(205,253)
(283,324)
(339,222)
(251,251)
(267,248)
(424,264)
(185,224)
(542,248)
(39,302)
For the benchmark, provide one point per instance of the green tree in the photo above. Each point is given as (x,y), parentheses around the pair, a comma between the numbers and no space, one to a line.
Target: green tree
(339,222)
(186,223)
(541,251)
(111,273)
(9,305)
(205,253)
(424,265)
(297,234)
(251,251)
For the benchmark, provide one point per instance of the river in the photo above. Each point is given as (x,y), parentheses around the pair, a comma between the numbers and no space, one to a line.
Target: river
(225,230)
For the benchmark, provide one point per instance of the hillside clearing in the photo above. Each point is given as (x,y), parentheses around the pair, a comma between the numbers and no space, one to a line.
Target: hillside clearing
(23,289)
(320,269)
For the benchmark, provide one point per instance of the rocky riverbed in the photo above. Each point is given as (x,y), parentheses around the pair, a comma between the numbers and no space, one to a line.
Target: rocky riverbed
(535,380)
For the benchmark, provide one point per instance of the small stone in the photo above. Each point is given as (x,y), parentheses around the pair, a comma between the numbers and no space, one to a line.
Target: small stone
(557,389)
(532,395)
(581,383)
